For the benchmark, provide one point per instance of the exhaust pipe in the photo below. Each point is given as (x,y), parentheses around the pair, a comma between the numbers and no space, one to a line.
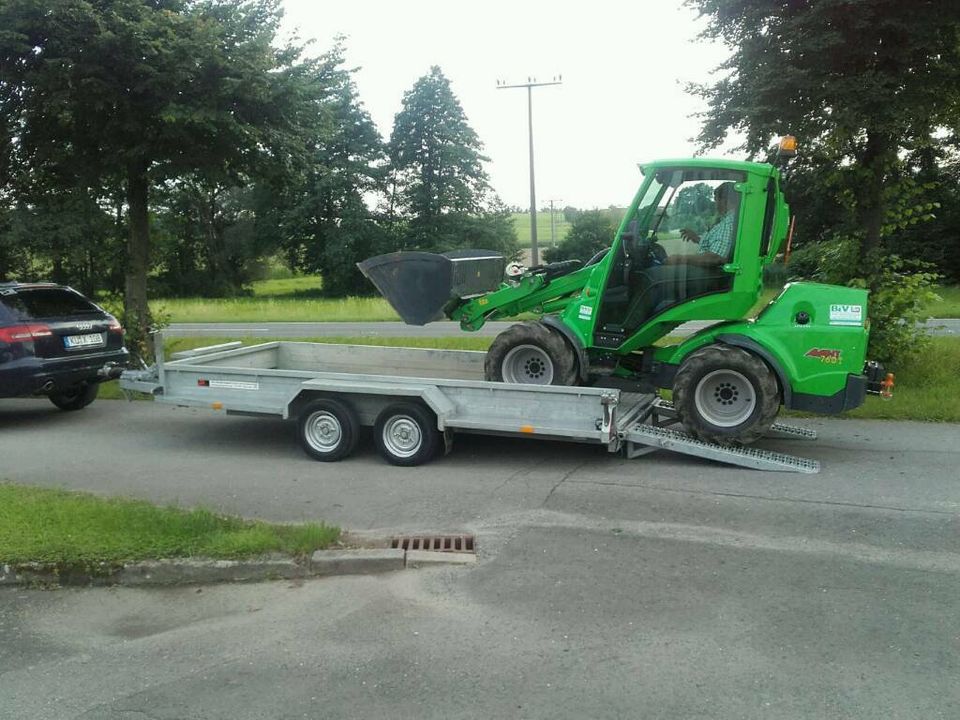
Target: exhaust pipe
(420,286)
(48,386)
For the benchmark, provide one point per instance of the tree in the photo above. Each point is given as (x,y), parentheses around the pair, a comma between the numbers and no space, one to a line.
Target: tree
(320,218)
(863,84)
(591,232)
(441,190)
(144,91)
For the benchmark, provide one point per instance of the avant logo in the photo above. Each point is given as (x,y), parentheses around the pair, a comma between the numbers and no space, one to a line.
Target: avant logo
(824,355)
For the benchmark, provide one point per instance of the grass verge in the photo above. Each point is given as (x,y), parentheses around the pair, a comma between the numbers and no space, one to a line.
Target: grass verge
(57,526)
(276,308)
(948,306)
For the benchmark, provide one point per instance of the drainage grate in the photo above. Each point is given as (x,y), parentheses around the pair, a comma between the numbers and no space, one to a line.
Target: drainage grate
(435,543)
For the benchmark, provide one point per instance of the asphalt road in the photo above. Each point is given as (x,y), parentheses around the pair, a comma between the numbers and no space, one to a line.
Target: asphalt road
(663,587)
(949,326)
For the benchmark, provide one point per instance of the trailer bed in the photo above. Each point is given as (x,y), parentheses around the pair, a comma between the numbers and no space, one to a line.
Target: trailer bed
(288,379)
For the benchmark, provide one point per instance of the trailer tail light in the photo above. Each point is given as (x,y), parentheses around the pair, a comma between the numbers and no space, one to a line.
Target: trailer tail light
(886,387)
(24,333)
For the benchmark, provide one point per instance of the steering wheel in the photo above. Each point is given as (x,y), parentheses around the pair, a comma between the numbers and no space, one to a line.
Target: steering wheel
(648,252)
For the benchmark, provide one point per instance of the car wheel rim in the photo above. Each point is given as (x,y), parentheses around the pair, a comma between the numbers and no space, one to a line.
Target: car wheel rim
(402,436)
(323,431)
(725,398)
(529,365)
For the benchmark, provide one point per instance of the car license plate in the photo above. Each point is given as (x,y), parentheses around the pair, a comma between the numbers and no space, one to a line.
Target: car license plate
(89,340)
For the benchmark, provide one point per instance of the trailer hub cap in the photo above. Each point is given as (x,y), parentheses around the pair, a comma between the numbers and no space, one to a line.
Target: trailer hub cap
(401,436)
(725,398)
(527,364)
(322,430)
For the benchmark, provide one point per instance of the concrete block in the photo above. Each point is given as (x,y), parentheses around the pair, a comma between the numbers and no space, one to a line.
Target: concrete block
(356,562)
(425,558)
(187,572)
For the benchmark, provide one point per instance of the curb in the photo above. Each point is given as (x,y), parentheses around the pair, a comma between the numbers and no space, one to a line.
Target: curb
(323,563)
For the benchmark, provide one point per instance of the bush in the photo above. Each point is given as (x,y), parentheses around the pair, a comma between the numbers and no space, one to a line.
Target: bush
(591,232)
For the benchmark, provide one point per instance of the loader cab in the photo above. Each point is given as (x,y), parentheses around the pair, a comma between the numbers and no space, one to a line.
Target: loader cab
(693,233)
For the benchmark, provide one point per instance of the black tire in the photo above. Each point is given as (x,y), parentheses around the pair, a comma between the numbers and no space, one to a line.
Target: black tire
(739,396)
(76,398)
(328,430)
(406,434)
(531,353)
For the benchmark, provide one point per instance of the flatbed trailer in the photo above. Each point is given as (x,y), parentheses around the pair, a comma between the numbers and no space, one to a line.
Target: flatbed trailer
(417,400)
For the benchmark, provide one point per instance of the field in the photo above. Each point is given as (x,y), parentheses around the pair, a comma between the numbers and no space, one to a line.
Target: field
(949,304)
(521,222)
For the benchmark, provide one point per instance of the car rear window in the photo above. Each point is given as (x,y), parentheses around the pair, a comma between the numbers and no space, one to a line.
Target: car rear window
(46,303)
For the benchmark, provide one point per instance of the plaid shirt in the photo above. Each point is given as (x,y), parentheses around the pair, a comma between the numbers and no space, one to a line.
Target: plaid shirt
(719,238)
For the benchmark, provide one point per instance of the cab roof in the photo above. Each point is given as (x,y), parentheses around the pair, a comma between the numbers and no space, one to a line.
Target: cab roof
(755,168)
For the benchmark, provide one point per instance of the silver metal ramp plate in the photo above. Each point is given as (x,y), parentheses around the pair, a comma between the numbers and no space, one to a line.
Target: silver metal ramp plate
(745,457)
(791,432)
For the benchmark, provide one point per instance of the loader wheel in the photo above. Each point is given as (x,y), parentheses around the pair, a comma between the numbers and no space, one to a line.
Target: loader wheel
(725,395)
(530,353)
(328,430)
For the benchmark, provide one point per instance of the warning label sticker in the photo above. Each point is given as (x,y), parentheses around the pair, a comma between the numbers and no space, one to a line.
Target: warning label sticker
(586,312)
(234,385)
(846,314)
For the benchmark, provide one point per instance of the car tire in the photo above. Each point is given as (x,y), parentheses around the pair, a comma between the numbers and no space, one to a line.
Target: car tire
(406,434)
(77,398)
(726,395)
(328,430)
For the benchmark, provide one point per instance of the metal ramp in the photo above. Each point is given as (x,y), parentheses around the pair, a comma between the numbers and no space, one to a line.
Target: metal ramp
(652,433)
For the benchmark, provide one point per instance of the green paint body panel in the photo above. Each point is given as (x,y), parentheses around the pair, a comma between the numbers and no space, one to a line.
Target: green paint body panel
(814,358)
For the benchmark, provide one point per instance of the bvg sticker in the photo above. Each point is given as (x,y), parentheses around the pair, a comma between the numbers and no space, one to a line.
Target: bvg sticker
(846,314)
(586,312)
(824,355)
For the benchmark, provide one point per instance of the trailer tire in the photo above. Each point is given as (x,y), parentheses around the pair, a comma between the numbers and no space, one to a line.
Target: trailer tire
(77,398)
(328,430)
(726,395)
(531,353)
(406,434)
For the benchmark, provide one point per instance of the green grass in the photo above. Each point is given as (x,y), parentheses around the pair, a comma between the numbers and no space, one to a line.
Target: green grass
(56,526)
(521,223)
(302,285)
(291,308)
(949,304)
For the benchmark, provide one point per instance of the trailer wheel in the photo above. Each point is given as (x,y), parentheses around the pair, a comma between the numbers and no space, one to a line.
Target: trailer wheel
(726,395)
(530,353)
(406,434)
(328,430)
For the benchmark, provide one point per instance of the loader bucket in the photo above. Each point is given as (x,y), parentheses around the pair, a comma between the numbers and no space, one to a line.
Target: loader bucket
(419,285)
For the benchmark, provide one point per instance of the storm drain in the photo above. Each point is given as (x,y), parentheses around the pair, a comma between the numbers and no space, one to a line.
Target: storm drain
(435,543)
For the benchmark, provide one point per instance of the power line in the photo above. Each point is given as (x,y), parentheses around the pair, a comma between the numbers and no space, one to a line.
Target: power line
(530,84)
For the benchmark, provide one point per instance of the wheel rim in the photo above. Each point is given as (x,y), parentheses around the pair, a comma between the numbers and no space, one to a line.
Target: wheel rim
(402,436)
(323,431)
(527,364)
(725,398)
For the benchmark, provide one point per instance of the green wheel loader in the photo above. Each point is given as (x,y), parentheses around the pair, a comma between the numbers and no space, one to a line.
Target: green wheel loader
(691,247)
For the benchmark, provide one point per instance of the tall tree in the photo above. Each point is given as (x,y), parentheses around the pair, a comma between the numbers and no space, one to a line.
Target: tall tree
(145,91)
(321,217)
(862,82)
(440,185)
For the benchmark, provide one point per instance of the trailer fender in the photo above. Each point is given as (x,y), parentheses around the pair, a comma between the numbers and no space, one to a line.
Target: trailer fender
(430,395)
(757,349)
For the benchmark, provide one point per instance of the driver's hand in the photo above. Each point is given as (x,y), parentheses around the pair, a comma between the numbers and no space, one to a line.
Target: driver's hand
(689,235)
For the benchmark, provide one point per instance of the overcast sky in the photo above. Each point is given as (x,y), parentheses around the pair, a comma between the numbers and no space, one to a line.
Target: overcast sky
(622,100)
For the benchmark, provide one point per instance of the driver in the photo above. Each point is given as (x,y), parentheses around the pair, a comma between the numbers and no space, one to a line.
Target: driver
(716,245)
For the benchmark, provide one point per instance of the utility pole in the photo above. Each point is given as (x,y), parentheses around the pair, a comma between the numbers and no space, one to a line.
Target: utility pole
(530,85)
(553,222)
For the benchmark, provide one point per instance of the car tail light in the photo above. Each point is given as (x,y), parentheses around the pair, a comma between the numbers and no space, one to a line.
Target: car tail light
(115,326)
(24,333)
